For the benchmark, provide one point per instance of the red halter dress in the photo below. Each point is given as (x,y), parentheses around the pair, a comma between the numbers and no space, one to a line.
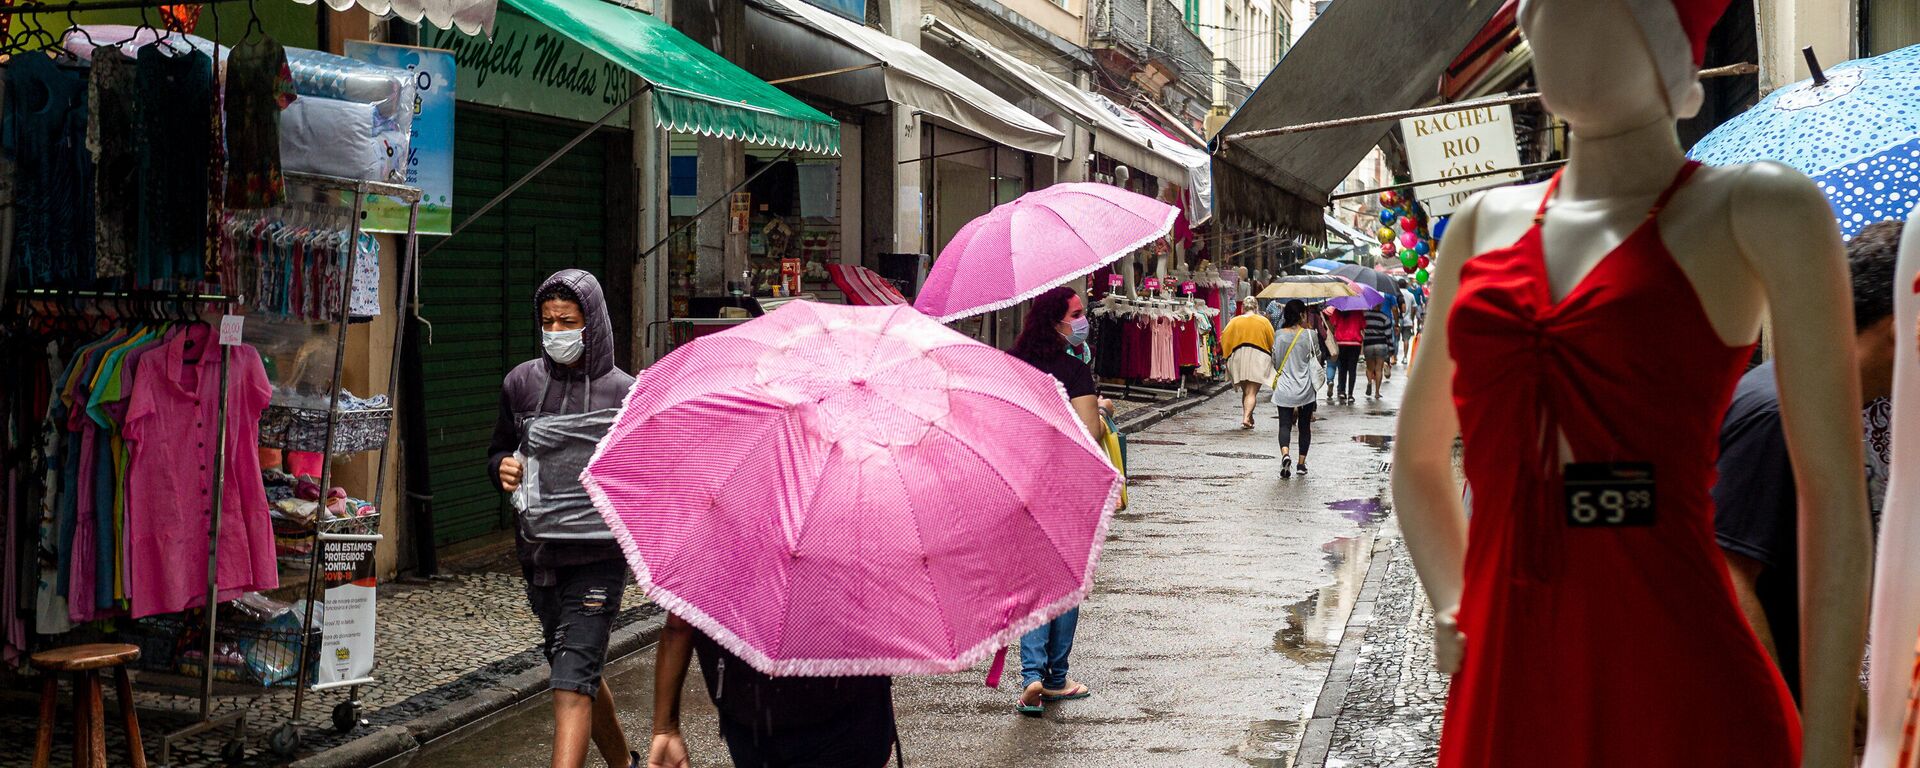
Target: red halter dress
(1600,622)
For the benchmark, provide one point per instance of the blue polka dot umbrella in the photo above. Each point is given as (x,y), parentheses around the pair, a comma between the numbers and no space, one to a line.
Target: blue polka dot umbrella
(1857,135)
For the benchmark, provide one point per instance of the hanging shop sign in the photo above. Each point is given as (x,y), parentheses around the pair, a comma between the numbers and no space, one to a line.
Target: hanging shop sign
(346,634)
(531,68)
(430,151)
(1460,143)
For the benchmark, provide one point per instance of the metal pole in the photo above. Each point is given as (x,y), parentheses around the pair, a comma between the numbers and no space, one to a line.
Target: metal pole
(695,218)
(1409,185)
(537,170)
(218,494)
(1438,109)
(840,71)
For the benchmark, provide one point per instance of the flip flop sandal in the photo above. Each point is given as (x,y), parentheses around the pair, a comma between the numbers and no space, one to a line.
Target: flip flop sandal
(1079,693)
(1030,710)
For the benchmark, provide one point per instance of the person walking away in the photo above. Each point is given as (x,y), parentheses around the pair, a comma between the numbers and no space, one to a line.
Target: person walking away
(553,411)
(1056,319)
(1296,386)
(1349,326)
(770,722)
(1249,341)
(1377,336)
(1318,321)
(1756,514)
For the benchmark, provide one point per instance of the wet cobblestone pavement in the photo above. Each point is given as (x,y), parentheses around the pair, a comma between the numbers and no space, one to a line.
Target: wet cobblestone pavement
(1390,715)
(436,643)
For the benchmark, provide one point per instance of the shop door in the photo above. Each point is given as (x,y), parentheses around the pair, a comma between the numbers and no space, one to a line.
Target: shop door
(478,294)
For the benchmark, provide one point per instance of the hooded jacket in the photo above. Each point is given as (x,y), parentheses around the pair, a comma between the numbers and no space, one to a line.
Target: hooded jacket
(594,384)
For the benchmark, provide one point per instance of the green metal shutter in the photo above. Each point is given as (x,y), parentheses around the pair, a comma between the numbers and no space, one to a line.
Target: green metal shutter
(478,294)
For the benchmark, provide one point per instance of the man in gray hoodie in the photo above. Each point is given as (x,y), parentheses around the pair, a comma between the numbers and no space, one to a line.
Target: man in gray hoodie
(574,569)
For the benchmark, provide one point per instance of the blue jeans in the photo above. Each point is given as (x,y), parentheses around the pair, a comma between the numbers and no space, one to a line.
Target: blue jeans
(1043,651)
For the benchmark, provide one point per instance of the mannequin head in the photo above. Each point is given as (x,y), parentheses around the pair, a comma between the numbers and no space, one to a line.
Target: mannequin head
(1596,69)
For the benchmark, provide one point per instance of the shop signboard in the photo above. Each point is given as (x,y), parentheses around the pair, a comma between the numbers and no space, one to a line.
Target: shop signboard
(346,632)
(530,67)
(430,148)
(1460,143)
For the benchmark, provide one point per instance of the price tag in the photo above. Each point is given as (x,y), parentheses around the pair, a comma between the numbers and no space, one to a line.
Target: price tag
(1153,285)
(1609,494)
(1187,288)
(231,329)
(1115,280)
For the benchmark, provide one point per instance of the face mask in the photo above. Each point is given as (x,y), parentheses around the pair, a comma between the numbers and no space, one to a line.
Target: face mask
(565,347)
(1079,334)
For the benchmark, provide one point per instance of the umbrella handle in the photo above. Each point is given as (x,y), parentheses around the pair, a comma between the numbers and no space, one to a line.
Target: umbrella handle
(999,665)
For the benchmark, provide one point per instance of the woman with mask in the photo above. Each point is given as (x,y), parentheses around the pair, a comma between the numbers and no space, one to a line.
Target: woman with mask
(1056,320)
(553,411)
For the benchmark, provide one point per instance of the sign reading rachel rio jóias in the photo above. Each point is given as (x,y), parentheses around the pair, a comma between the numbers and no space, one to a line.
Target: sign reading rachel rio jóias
(1462,143)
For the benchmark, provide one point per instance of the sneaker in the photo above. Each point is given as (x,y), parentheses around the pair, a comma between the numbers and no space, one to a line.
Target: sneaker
(1286,466)
(1303,465)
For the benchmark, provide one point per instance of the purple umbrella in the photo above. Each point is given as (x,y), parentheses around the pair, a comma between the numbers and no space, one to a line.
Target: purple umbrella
(1368,298)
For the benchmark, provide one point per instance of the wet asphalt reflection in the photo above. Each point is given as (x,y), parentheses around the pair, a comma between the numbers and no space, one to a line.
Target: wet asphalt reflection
(1221,596)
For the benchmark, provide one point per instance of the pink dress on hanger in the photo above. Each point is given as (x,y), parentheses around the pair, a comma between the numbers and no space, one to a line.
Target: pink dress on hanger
(169,429)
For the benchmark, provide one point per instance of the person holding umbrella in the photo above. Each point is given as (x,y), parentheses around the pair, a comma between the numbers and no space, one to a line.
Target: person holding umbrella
(553,410)
(830,496)
(1056,320)
(1249,341)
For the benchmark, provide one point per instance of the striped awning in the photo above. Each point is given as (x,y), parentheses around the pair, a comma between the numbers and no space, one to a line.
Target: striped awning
(864,287)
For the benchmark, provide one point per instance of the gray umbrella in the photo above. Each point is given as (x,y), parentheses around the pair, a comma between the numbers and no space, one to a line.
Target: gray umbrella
(1367,276)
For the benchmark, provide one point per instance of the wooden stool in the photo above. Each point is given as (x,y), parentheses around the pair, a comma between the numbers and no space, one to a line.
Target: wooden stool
(89,726)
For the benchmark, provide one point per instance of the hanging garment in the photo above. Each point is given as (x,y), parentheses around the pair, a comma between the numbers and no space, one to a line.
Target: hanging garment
(1137,362)
(1162,362)
(173,98)
(44,133)
(170,423)
(1599,636)
(259,85)
(116,167)
(1186,344)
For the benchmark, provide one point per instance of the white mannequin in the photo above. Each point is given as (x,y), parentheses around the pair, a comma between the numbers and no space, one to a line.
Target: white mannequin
(1755,241)
(1896,615)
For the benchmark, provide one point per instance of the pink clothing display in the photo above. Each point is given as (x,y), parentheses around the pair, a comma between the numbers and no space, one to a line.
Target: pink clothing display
(1163,367)
(169,426)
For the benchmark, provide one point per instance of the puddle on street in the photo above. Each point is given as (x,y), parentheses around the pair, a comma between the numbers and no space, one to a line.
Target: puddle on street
(1270,743)
(1382,442)
(1363,511)
(1315,624)
(1240,455)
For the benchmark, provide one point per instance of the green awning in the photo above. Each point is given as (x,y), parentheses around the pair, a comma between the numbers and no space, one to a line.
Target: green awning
(694,89)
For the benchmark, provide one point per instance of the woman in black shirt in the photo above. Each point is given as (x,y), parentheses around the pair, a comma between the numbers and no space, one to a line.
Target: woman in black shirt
(1056,320)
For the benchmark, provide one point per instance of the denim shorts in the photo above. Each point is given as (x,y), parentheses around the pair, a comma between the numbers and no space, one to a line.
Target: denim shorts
(576,605)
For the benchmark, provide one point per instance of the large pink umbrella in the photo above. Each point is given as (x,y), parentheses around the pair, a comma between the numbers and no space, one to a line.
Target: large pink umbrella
(1042,239)
(832,490)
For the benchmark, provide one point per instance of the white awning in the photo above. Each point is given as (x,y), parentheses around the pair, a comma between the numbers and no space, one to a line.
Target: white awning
(1112,137)
(474,17)
(1198,178)
(1348,233)
(915,79)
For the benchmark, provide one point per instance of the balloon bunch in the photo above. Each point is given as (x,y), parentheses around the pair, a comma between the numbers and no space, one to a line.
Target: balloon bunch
(1412,249)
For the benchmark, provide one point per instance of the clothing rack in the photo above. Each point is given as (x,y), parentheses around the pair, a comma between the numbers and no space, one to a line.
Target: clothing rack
(216,491)
(286,739)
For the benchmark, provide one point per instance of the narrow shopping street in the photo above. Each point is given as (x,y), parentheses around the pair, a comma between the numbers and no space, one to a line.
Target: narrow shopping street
(1222,598)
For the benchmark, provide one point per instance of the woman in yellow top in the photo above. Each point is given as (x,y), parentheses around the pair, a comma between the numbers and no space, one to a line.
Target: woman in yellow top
(1248,340)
